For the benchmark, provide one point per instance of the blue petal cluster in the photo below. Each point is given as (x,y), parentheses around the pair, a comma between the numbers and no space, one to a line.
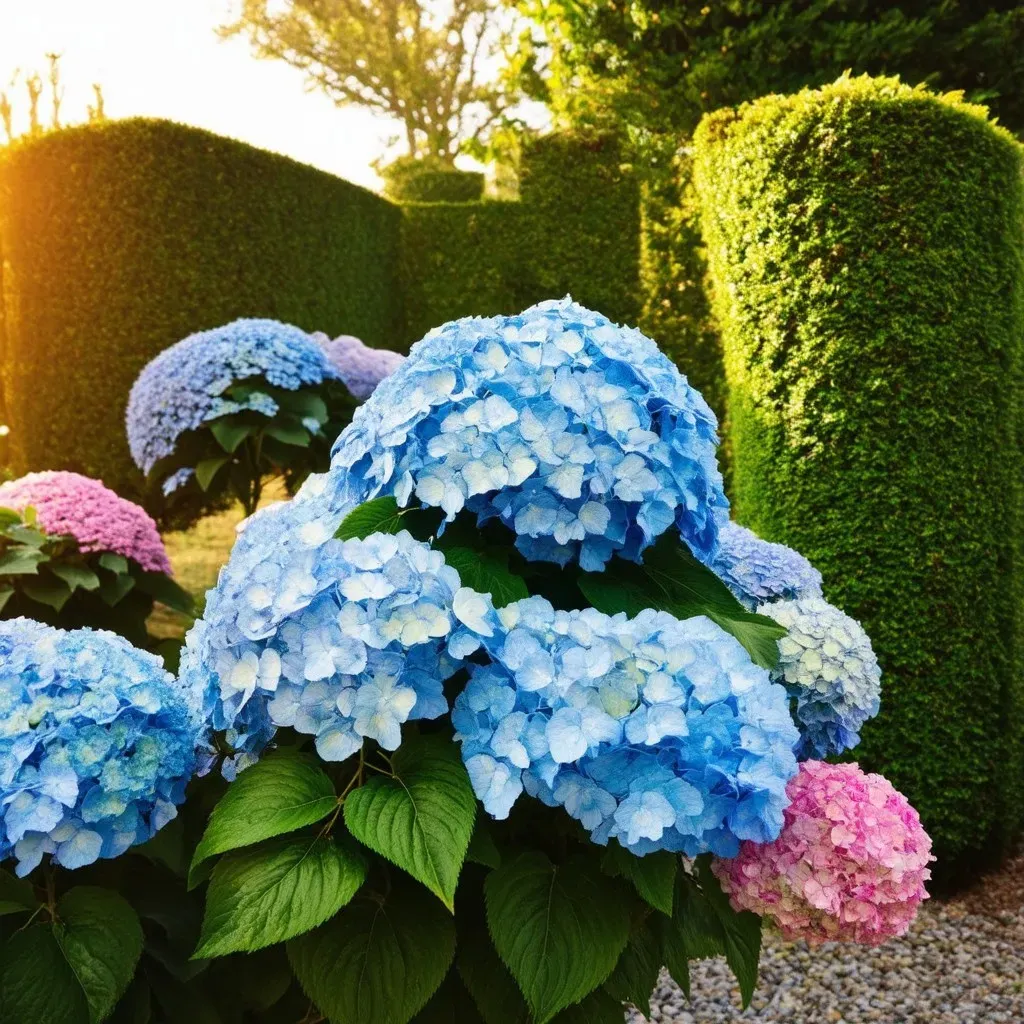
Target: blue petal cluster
(578,434)
(97,744)
(827,664)
(181,388)
(657,732)
(757,571)
(341,640)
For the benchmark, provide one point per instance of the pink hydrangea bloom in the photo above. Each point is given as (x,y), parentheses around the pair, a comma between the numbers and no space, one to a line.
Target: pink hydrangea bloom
(99,519)
(361,368)
(849,866)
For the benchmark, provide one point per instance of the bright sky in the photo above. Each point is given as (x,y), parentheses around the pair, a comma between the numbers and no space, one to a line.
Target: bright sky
(163,59)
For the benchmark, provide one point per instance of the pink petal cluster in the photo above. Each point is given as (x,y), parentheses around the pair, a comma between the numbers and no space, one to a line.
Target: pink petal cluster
(361,368)
(849,866)
(97,517)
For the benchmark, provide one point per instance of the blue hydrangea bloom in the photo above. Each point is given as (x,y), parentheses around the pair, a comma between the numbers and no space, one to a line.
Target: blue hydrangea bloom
(341,640)
(827,664)
(97,744)
(578,434)
(182,388)
(659,733)
(757,571)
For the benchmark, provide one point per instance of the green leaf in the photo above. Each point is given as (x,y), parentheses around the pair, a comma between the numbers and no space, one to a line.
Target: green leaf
(741,932)
(379,515)
(28,534)
(302,404)
(653,876)
(487,572)
(162,588)
(76,576)
(598,1008)
(559,928)
(207,469)
(672,580)
(9,517)
(450,1004)
(114,562)
(287,434)
(52,592)
(114,589)
(421,818)
(273,892)
(16,894)
(279,794)
(482,847)
(487,979)
(73,971)
(6,593)
(230,433)
(636,973)
(21,560)
(693,933)
(380,960)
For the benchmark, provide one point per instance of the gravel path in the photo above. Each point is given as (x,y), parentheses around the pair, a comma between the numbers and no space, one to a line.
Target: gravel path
(962,963)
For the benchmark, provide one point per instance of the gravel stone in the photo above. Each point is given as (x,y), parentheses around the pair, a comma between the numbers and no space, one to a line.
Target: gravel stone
(961,963)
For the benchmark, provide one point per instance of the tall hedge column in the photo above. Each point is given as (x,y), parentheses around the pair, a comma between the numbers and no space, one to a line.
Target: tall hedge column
(865,245)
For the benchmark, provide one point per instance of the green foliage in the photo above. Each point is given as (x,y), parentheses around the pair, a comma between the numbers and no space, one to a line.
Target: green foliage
(575,229)
(48,578)
(430,180)
(121,238)
(868,279)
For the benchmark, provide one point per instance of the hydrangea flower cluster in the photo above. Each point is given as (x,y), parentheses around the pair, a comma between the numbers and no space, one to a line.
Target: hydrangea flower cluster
(757,571)
(827,664)
(361,368)
(97,744)
(181,388)
(578,434)
(341,640)
(850,864)
(657,732)
(99,519)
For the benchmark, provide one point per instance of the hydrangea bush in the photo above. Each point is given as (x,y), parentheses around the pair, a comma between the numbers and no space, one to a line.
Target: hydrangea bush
(504,715)
(215,414)
(74,553)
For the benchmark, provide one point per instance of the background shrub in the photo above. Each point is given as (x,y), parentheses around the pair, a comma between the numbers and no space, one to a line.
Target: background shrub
(428,180)
(865,244)
(120,239)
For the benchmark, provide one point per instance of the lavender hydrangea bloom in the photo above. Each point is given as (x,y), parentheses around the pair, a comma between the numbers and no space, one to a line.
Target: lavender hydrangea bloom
(757,571)
(827,664)
(361,368)
(181,388)
(97,744)
(341,640)
(580,435)
(657,732)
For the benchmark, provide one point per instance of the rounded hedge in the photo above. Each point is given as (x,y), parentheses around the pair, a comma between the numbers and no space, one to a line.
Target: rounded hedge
(865,245)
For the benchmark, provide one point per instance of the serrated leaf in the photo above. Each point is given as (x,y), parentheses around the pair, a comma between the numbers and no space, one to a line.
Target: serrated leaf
(73,971)
(379,515)
(278,794)
(114,589)
(450,1004)
(21,560)
(672,580)
(75,576)
(487,572)
(114,562)
(653,876)
(230,433)
(482,847)
(598,1008)
(207,469)
(422,818)
(636,973)
(486,978)
(380,960)
(46,590)
(560,929)
(16,894)
(273,892)
(741,932)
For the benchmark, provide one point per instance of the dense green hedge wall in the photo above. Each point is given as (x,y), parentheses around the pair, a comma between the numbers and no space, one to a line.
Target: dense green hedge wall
(575,230)
(865,244)
(447,186)
(119,239)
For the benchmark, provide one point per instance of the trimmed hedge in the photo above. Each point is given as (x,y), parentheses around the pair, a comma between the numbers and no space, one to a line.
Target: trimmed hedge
(575,230)
(119,239)
(436,186)
(865,244)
